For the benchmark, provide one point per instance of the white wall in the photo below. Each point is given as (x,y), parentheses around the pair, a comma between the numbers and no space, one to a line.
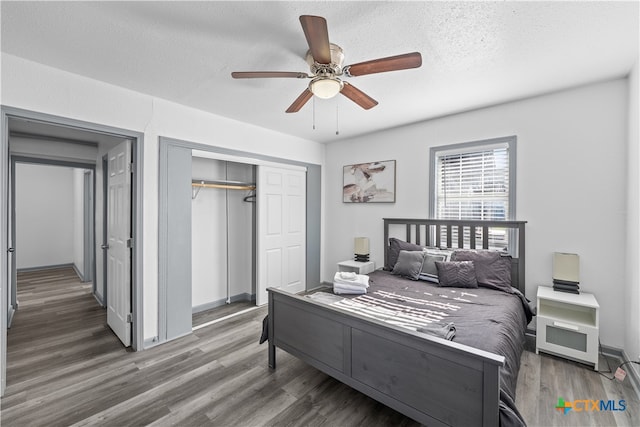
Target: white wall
(31,86)
(209,234)
(44,215)
(571,185)
(632,282)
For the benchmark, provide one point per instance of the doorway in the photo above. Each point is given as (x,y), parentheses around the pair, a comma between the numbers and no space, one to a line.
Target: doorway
(66,140)
(51,217)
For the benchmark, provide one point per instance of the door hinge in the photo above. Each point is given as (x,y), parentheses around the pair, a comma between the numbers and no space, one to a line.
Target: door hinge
(129,318)
(130,167)
(129,243)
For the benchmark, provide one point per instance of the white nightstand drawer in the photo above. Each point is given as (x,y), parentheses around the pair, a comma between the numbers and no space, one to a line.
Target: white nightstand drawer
(572,340)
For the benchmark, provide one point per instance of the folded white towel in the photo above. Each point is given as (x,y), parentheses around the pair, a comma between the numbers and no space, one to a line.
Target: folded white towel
(348,275)
(360,280)
(340,288)
(349,287)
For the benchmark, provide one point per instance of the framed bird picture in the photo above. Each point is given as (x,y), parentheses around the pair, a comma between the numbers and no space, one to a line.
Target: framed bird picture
(373,182)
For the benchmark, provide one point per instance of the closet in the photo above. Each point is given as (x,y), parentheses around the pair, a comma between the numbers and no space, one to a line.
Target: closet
(223,231)
(217,243)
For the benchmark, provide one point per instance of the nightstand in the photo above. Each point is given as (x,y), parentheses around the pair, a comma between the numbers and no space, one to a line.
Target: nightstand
(357,266)
(568,325)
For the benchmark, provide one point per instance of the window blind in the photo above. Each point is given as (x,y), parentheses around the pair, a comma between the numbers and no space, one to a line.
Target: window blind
(473,184)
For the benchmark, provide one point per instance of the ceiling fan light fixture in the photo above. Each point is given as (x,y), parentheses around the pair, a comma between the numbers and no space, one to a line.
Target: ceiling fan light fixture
(325,87)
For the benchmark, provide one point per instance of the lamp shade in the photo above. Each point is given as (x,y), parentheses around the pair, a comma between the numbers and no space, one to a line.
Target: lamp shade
(361,249)
(325,88)
(361,246)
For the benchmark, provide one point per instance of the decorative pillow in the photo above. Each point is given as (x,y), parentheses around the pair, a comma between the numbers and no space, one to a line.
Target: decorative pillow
(457,274)
(393,251)
(429,271)
(409,264)
(493,268)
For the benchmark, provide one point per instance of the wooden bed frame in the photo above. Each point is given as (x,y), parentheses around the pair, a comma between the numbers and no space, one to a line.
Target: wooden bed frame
(434,381)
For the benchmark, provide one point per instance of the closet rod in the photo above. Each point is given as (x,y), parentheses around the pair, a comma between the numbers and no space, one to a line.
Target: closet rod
(227,185)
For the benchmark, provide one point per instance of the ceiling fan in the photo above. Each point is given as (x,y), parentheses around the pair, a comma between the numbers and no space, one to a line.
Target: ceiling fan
(325,60)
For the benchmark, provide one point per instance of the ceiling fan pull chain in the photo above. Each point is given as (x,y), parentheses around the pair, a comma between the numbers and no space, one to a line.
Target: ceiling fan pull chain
(337,127)
(314,112)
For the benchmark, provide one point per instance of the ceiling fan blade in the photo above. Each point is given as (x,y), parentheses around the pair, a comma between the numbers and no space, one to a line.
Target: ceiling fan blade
(300,101)
(267,74)
(391,63)
(358,96)
(315,30)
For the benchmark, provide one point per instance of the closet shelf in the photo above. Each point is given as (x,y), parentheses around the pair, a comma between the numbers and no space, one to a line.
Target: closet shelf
(225,185)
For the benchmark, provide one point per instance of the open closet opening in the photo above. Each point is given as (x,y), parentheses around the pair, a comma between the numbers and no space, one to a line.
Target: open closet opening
(223,241)
(220,241)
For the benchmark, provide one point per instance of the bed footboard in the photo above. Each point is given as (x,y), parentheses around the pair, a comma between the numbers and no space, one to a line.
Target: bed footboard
(434,381)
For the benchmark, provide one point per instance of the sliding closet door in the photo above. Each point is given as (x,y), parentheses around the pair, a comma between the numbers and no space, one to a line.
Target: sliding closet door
(281,202)
(175,260)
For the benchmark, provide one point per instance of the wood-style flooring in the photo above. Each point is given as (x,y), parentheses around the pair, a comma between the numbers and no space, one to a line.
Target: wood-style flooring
(65,367)
(207,316)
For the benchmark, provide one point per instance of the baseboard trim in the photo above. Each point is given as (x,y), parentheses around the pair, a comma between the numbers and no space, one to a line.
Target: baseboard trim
(10,314)
(219,303)
(150,342)
(623,357)
(80,275)
(46,267)
(633,375)
(99,299)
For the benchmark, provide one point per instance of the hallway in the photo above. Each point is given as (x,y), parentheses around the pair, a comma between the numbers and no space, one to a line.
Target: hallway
(58,325)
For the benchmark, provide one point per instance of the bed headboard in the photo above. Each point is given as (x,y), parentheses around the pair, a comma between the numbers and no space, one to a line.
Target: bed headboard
(457,234)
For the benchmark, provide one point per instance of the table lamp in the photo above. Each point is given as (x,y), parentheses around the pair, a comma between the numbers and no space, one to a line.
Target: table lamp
(361,249)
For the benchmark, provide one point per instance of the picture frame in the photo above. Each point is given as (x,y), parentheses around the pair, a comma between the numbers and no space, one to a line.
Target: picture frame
(371,182)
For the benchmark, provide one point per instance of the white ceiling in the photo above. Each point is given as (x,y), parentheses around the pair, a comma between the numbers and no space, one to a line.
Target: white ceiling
(474,53)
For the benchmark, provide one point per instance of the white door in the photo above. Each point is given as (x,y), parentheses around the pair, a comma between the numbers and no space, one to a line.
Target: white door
(281,209)
(118,235)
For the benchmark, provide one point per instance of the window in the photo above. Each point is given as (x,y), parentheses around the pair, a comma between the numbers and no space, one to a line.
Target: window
(475,181)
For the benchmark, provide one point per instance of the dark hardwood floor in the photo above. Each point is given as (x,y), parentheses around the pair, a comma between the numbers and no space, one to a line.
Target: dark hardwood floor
(207,316)
(65,367)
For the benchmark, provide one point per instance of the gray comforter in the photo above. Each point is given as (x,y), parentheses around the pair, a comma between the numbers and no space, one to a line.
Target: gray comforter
(486,319)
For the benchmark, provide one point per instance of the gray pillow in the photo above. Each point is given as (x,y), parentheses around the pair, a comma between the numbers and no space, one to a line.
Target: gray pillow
(493,268)
(457,274)
(429,271)
(409,264)
(393,251)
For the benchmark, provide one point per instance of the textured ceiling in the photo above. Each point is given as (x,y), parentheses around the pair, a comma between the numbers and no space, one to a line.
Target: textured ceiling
(474,53)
